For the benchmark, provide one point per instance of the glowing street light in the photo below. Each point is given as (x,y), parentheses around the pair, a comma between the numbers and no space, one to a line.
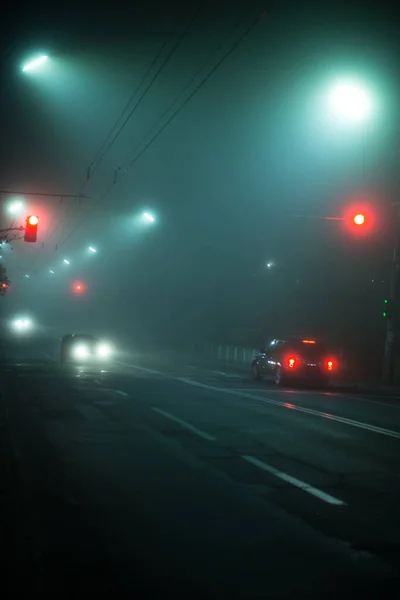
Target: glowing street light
(36,62)
(148,217)
(51,271)
(91,249)
(351,100)
(66,261)
(269,265)
(15,207)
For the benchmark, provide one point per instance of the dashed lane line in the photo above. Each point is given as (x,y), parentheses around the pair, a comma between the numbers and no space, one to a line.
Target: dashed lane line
(294,481)
(185,424)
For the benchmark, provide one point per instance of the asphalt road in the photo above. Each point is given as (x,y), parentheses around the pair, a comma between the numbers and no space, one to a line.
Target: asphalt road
(143,480)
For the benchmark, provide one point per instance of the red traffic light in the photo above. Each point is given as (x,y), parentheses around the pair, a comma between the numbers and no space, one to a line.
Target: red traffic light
(78,287)
(359,219)
(31,228)
(4,285)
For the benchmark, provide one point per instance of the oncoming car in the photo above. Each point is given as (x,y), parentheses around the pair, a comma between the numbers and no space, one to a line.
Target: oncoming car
(84,348)
(295,360)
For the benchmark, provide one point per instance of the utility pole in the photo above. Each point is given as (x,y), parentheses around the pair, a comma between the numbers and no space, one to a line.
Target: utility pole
(388,366)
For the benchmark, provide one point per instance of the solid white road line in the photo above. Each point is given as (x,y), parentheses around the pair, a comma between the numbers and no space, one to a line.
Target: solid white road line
(289,405)
(330,394)
(199,432)
(352,422)
(293,481)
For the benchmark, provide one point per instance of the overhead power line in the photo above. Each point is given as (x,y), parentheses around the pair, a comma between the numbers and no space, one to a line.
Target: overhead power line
(149,86)
(109,143)
(100,154)
(224,57)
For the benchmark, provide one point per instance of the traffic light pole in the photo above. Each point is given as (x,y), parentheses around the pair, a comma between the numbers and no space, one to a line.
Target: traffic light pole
(388,366)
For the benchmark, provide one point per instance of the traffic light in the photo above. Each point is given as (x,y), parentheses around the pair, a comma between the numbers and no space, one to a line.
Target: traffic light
(362,217)
(79,287)
(386,309)
(359,219)
(31,228)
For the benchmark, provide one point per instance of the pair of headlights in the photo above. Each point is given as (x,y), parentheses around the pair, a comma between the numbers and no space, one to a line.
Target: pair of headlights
(21,325)
(101,351)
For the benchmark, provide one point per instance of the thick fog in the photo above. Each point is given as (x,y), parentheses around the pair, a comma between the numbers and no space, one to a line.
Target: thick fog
(237,174)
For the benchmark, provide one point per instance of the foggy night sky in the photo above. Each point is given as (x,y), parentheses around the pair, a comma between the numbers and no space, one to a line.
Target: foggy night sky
(225,179)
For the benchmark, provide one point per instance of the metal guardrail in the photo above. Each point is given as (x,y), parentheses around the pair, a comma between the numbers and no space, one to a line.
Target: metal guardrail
(225,352)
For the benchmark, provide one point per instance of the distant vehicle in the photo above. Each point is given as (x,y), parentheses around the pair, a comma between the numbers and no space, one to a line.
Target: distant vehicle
(295,360)
(84,348)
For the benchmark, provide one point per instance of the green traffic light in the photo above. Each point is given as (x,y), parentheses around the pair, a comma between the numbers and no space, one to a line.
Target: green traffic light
(385,301)
(384,314)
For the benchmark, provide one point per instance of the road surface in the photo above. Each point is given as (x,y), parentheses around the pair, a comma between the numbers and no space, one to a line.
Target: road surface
(143,480)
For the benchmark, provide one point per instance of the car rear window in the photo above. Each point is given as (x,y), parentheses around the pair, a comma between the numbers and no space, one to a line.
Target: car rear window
(308,350)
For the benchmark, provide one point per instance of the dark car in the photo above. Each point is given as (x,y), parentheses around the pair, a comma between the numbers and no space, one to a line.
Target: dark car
(295,360)
(84,348)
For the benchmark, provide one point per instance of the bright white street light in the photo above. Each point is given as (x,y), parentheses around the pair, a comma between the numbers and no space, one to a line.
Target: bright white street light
(148,217)
(51,271)
(33,64)
(91,249)
(269,265)
(351,100)
(66,261)
(15,207)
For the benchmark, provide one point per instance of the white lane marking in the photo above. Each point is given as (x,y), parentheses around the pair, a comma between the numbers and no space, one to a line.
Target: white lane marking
(199,432)
(121,393)
(293,481)
(233,376)
(154,371)
(309,411)
(330,394)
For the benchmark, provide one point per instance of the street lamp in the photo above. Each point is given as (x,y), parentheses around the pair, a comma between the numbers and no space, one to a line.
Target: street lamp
(148,217)
(33,64)
(91,249)
(351,100)
(15,207)
(66,261)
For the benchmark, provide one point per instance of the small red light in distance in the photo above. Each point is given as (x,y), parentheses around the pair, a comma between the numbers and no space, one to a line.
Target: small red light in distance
(79,287)
(291,362)
(32,220)
(4,285)
(330,364)
(308,341)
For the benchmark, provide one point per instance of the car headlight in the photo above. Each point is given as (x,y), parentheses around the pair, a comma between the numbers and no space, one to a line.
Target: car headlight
(22,324)
(80,351)
(104,350)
